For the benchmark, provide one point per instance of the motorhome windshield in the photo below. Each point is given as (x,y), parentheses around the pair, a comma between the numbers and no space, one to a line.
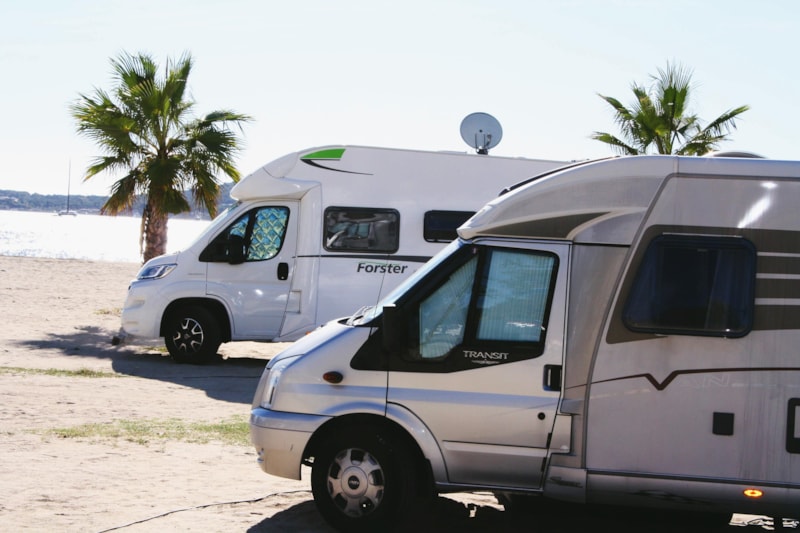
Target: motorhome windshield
(368,315)
(220,220)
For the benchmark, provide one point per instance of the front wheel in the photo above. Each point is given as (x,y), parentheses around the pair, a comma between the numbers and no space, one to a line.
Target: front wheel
(363,480)
(192,335)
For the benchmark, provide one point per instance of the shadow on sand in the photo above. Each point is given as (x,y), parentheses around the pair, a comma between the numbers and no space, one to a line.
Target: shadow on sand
(235,380)
(230,380)
(449,516)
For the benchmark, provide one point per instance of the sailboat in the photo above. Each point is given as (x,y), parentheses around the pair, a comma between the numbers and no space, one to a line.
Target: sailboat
(68,211)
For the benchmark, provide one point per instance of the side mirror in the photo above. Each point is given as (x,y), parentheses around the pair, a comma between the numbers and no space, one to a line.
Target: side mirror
(236,249)
(394,329)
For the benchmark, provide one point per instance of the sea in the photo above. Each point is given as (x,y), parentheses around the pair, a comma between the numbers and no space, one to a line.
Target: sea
(87,237)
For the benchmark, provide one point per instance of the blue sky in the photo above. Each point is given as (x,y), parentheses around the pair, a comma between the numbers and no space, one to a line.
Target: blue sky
(398,74)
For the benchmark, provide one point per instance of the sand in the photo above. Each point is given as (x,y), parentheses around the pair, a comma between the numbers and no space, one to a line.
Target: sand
(62,314)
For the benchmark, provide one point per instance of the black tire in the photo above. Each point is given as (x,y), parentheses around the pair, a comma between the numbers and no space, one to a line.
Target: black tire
(363,480)
(192,335)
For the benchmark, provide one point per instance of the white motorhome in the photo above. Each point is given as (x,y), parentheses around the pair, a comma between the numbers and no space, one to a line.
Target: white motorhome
(313,235)
(622,331)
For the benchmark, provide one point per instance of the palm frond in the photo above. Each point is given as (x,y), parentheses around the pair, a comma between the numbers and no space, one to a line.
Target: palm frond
(660,117)
(616,143)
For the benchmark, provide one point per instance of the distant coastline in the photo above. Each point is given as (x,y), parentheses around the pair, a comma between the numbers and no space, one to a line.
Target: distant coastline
(91,204)
(25,201)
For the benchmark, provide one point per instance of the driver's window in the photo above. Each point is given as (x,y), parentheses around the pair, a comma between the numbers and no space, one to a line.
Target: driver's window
(257,235)
(513,304)
(269,228)
(497,300)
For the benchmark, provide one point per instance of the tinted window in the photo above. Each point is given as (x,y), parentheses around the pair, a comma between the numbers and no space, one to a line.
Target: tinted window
(358,229)
(694,286)
(441,226)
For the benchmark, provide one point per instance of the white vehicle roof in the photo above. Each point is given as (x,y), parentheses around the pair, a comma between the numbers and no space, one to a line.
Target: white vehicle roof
(356,175)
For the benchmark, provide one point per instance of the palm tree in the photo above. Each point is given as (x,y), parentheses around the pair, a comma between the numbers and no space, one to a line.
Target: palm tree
(145,130)
(660,120)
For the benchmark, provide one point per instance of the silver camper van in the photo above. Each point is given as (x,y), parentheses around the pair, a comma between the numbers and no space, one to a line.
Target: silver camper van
(622,331)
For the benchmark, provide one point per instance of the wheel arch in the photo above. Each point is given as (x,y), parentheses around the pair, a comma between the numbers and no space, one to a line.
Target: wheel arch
(363,420)
(215,307)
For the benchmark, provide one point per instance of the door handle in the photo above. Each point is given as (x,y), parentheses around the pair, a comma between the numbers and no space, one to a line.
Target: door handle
(552,377)
(793,426)
(283,271)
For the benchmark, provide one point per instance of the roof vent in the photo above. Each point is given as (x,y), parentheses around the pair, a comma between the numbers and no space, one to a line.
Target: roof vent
(734,153)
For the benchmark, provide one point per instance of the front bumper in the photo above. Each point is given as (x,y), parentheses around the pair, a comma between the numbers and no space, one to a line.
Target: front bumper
(142,310)
(281,438)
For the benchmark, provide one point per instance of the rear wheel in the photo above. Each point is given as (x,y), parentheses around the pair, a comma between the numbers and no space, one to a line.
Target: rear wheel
(363,480)
(192,335)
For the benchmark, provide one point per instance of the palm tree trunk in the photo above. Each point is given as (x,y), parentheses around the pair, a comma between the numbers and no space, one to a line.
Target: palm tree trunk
(153,238)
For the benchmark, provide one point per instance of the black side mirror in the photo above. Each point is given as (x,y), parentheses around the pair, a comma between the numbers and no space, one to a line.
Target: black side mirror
(394,329)
(236,249)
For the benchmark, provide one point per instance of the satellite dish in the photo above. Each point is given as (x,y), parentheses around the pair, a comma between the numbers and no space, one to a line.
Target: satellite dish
(481,131)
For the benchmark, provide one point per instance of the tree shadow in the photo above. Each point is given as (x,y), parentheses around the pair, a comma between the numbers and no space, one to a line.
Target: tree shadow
(227,379)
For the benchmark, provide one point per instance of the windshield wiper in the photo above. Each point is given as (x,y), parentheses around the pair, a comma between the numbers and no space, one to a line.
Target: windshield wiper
(358,314)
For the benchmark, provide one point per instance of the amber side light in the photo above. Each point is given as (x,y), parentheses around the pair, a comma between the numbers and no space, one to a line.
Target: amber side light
(753,493)
(333,377)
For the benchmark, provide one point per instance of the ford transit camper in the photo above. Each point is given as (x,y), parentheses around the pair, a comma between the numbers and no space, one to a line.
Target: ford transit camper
(623,331)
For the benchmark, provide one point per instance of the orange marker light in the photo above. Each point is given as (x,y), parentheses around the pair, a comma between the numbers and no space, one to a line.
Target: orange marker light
(753,493)
(333,377)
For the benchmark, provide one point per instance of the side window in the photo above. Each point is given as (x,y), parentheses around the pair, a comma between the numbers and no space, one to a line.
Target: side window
(441,226)
(694,286)
(255,236)
(496,302)
(359,229)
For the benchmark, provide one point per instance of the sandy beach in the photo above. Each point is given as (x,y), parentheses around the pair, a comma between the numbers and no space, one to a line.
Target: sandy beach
(62,470)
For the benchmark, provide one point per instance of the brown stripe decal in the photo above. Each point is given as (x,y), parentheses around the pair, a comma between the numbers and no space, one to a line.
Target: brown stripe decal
(552,228)
(778,264)
(774,317)
(664,384)
(777,288)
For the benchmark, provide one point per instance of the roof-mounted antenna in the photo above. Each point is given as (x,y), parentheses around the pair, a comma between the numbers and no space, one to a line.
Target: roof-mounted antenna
(481,131)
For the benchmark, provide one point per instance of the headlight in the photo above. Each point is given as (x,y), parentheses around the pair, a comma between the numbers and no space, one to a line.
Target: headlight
(269,382)
(155,271)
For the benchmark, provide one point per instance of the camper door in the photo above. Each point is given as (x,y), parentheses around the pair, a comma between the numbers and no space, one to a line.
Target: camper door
(482,367)
(251,268)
